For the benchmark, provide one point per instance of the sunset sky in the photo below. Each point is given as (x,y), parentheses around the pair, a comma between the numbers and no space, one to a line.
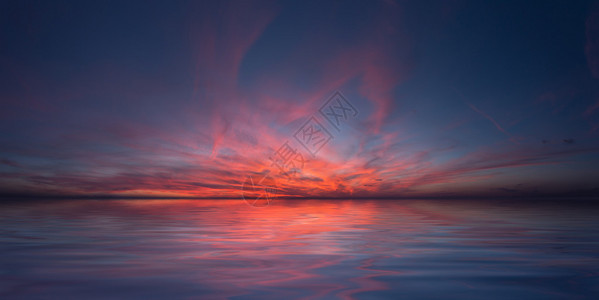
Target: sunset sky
(190,98)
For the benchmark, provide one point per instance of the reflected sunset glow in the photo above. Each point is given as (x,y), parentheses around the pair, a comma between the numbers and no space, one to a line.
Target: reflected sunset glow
(308,249)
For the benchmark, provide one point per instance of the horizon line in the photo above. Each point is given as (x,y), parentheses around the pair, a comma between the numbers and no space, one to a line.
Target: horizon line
(8,196)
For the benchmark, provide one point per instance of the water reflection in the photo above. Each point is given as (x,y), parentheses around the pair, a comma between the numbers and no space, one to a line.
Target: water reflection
(312,249)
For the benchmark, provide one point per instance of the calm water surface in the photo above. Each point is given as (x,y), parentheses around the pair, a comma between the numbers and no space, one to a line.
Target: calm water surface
(333,249)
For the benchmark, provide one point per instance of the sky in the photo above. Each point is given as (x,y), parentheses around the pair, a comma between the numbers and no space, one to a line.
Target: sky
(312,98)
